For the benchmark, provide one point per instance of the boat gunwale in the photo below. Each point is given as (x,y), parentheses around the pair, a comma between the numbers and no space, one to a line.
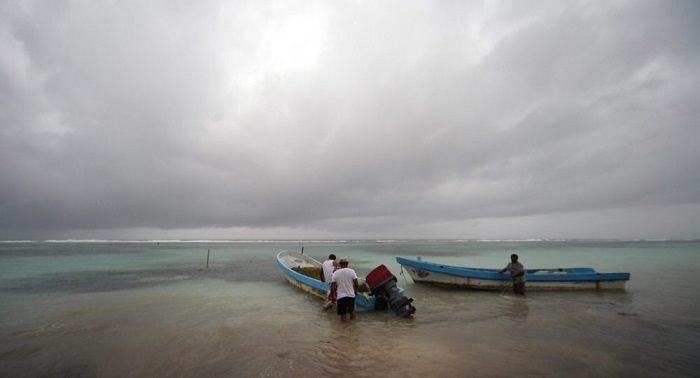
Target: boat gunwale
(317,284)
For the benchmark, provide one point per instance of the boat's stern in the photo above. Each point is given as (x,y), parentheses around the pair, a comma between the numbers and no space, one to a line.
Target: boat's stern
(383,286)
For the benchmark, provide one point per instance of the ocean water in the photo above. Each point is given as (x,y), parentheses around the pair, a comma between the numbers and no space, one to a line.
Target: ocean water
(143,309)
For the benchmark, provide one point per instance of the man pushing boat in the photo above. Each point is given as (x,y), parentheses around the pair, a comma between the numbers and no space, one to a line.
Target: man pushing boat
(517,274)
(344,286)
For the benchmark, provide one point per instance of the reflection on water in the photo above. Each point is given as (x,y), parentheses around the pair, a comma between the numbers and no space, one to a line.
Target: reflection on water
(515,308)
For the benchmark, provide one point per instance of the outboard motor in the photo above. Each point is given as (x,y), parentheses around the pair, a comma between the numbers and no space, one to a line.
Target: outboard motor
(383,284)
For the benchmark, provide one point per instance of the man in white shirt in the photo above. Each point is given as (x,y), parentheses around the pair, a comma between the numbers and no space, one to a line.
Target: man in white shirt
(329,266)
(344,286)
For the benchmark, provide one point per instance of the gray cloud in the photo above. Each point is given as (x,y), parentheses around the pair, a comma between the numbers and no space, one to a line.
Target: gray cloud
(311,119)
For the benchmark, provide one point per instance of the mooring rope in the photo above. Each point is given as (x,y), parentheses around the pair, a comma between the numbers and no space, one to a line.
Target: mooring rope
(404,277)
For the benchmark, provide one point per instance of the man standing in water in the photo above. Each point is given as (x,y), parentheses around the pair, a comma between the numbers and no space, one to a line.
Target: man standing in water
(517,273)
(344,286)
(329,266)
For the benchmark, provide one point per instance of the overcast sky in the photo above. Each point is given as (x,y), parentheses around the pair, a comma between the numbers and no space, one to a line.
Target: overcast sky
(349,119)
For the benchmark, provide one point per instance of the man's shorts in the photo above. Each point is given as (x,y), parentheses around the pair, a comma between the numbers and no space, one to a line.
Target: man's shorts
(346,305)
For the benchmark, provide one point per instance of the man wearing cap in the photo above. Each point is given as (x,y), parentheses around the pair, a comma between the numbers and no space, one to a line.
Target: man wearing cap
(344,287)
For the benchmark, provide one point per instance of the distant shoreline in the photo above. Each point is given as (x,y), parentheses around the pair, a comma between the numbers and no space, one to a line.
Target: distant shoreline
(340,240)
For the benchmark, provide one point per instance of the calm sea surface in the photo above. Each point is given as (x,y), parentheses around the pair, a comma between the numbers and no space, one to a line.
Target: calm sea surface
(144,309)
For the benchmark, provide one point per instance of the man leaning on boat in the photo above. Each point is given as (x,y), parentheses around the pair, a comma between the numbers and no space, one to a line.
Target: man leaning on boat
(329,266)
(517,273)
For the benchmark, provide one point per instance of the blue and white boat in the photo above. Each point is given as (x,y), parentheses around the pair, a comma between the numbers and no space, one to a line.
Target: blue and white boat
(382,284)
(492,279)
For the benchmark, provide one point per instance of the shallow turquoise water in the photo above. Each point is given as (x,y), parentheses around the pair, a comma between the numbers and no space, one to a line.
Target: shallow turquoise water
(141,309)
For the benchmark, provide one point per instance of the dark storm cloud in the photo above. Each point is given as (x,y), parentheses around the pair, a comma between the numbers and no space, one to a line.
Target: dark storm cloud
(311,119)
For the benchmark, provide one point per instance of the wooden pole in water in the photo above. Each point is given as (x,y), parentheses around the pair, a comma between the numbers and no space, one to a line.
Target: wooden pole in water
(207,259)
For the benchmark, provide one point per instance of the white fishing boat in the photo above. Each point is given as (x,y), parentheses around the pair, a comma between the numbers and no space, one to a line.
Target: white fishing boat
(492,279)
(382,291)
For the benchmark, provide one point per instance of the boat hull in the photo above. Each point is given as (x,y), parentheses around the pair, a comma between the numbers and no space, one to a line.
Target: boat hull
(491,279)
